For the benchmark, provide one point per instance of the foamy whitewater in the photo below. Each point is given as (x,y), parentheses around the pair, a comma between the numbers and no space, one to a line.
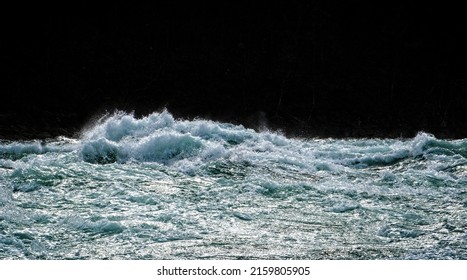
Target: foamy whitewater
(160,188)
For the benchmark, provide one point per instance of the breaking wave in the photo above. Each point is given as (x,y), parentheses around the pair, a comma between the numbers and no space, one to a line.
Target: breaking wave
(160,138)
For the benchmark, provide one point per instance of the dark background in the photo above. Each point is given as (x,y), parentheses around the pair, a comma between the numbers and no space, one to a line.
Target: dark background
(311,68)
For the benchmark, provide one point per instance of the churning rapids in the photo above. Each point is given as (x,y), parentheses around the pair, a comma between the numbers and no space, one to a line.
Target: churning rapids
(160,188)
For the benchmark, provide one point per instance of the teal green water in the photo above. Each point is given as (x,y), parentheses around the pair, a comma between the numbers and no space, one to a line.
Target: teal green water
(160,188)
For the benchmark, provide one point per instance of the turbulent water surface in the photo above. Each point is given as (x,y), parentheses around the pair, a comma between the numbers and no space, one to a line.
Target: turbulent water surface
(159,188)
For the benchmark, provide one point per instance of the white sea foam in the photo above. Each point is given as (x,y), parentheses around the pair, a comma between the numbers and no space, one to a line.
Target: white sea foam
(158,137)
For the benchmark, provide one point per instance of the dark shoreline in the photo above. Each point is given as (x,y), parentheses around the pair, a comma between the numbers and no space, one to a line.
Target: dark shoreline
(310,69)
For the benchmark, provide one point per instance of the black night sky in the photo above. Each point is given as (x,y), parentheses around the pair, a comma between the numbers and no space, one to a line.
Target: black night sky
(309,68)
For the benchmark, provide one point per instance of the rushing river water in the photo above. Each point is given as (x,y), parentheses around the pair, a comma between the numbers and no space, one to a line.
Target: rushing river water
(160,188)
